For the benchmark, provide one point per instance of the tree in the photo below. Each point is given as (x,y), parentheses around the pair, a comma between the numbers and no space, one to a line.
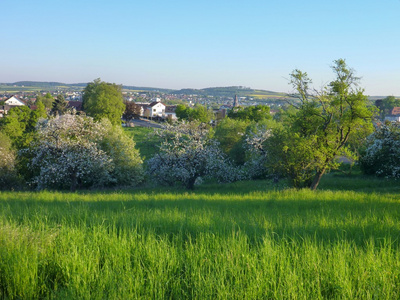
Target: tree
(8,174)
(198,113)
(126,160)
(132,110)
(230,134)
(47,100)
(73,152)
(382,156)
(19,124)
(320,127)
(103,100)
(254,113)
(188,154)
(59,105)
(182,112)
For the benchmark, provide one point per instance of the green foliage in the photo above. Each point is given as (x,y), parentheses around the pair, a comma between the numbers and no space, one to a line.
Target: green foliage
(8,175)
(382,155)
(103,100)
(19,124)
(47,100)
(321,127)
(230,134)
(237,241)
(198,113)
(126,158)
(74,152)
(59,106)
(254,113)
(387,104)
(145,140)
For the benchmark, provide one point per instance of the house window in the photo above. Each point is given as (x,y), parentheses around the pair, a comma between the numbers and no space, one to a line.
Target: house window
(154,110)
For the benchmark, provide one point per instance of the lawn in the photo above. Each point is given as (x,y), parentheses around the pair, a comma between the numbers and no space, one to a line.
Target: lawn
(146,142)
(246,240)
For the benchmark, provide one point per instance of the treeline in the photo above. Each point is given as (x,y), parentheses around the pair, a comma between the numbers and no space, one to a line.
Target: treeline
(55,148)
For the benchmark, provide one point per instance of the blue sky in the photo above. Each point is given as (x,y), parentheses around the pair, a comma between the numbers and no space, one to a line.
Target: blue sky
(197,44)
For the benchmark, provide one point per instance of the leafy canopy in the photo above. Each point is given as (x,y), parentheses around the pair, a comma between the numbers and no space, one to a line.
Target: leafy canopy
(319,128)
(103,100)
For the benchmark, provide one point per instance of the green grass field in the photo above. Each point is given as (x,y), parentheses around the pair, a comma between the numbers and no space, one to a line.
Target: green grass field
(246,240)
(146,143)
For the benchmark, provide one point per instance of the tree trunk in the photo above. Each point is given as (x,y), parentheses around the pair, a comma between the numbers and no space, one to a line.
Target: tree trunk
(190,183)
(317,179)
(74,181)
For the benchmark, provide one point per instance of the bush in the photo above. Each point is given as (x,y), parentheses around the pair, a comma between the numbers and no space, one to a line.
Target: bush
(188,154)
(382,156)
(73,152)
(8,175)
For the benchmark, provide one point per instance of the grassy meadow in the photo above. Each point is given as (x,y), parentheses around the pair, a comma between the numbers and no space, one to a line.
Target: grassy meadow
(146,143)
(246,240)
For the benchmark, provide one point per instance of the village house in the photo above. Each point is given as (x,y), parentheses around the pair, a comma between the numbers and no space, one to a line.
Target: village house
(394,115)
(170,112)
(10,103)
(14,101)
(155,109)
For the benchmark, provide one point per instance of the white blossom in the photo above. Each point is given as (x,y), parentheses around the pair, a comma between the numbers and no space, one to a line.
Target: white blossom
(68,153)
(187,153)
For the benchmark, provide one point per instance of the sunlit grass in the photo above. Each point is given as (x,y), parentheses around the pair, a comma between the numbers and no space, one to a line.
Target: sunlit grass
(247,240)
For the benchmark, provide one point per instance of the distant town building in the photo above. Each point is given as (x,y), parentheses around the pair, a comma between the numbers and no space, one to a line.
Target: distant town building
(10,103)
(395,111)
(170,112)
(77,105)
(14,101)
(236,101)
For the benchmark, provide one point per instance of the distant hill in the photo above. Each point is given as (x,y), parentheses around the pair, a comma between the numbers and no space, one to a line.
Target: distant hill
(229,91)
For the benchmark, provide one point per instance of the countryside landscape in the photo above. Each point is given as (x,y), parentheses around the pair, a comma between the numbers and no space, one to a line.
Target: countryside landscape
(199,150)
(244,204)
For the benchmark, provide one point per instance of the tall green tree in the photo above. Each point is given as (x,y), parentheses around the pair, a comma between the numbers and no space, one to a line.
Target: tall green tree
(254,113)
(103,100)
(47,100)
(20,122)
(230,134)
(322,124)
(198,113)
(59,106)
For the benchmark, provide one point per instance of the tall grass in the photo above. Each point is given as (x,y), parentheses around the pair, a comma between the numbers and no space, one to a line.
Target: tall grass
(248,240)
(146,143)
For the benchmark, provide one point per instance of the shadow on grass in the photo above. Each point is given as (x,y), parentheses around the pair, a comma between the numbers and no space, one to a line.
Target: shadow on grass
(325,217)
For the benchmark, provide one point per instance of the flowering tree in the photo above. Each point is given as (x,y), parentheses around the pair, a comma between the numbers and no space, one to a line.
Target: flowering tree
(256,152)
(7,163)
(382,156)
(73,152)
(187,154)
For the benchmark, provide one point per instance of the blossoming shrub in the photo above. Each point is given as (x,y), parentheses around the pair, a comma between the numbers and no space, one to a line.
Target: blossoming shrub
(255,165)
(8,175)
(188,154)
(73,151)
(382,156)
(127,164)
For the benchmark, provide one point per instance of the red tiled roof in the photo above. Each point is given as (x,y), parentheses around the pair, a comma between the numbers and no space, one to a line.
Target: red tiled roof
(396,111)
(75,104)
